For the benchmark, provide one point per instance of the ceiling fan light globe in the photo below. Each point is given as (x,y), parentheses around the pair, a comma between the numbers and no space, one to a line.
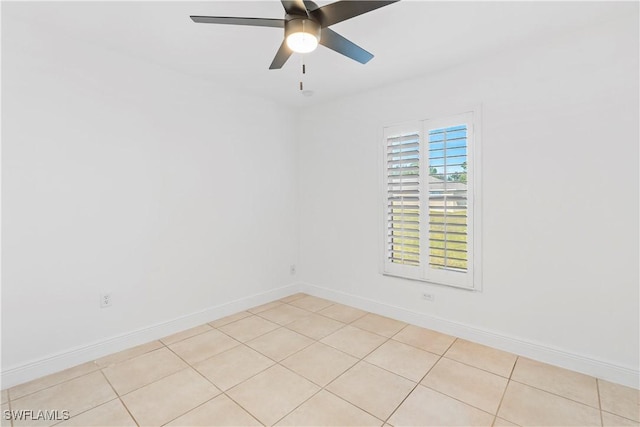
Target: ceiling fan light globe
(302,42)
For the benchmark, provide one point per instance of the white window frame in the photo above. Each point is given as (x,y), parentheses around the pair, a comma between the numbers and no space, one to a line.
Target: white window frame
(472,279)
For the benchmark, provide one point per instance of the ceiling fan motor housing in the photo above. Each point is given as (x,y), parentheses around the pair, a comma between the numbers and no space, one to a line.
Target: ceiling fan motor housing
(294,24)
(305,24)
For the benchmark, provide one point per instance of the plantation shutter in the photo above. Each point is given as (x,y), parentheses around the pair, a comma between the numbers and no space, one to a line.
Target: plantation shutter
(403,198)
(448,198)
(429,186)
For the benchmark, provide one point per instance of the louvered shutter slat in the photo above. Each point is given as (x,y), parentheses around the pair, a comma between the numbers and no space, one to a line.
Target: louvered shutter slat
(447,156)
(403,199)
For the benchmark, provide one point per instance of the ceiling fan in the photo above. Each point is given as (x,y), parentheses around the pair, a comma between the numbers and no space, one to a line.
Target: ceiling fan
(305,25)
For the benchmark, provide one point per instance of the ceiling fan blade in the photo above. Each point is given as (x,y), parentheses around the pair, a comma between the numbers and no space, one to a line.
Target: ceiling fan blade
(346,9)
(311,6)
(231,20)
(335,41)
(281,56)
(294,7)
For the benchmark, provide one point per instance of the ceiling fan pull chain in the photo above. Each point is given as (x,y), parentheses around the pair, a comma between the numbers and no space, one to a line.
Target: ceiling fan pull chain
(304,71)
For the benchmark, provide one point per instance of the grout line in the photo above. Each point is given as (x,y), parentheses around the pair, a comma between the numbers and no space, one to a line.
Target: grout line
(155,380)
(619,416)
(477,367)
(513,368)
(58,383)
(250,339)
(128,358)
(554,394)
(222,392)
(459,400)
(120,398)
(85,411)
(353,404)
(302,403)
(324,388)
(230,322)
(599,402)
(193,409)
(211,328)
(289,355)
(386,421)
(242,407)
(338,376)
(504,392)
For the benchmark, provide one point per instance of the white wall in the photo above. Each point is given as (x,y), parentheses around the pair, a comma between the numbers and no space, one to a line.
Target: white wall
(174,195)
(560,205)
(178,196)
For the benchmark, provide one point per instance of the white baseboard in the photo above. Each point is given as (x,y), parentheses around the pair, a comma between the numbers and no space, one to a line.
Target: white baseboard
(537,351)
(86,353)
(90,352)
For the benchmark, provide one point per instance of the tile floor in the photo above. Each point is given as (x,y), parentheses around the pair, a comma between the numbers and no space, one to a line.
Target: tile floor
(308,361)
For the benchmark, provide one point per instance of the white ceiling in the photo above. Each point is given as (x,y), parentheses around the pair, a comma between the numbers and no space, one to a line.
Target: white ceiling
(408,39)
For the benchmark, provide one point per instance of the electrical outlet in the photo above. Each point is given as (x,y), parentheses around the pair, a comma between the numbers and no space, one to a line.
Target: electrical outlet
(292,269)
(105,300)
(428,297)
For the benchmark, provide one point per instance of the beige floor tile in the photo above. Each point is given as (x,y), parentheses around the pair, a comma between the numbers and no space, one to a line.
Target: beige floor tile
(284,314)
(326,409)
(425,407)
(162,401)
(569,384)
(471,385)
(342,313)
(380,325)
(51,380)
(230,319)
(248,328)
(219,411)
(280,343)
(354,341)
(293,297)
(264,307)
(319,363)
(614,398)
(315,326)
(3,421)
(425,339)
(203,346)
(112,414)
(311,303)
(5,396)
(129,353)
(233,366)
(528,406)
(499,422)
(186,334)
(142,370)
(285,389)
(611,420)
(373,389)
(483,357)
(403,359)
(76,396)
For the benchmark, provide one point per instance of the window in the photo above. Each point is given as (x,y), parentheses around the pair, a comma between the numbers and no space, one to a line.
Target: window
(431,190)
